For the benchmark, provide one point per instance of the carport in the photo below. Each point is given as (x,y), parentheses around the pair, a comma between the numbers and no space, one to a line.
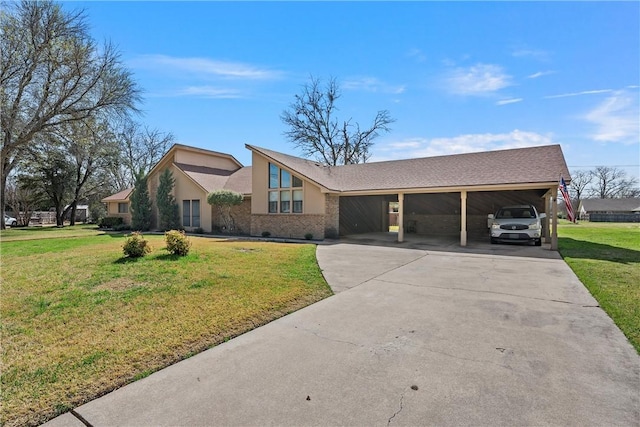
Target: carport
(451,195)
(446,212)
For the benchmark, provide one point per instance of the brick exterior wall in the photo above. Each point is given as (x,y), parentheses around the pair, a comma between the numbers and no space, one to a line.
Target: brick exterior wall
(293,226)
(241,215)
(332,216)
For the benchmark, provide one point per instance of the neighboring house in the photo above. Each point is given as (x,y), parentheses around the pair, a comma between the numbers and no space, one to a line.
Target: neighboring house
(118,205)
(610,210)
(288,196)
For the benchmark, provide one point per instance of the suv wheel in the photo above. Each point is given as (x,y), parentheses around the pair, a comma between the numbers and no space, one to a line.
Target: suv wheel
(538,242)
(493,241)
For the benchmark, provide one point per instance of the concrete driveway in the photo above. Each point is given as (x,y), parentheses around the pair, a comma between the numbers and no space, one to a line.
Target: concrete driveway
(412,337)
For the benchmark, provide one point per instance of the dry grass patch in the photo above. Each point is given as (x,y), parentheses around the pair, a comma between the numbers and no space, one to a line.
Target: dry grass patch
(79,320)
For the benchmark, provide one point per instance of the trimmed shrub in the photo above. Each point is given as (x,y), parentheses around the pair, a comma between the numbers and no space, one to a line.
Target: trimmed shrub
(122,227)
(308,236)
(177,242)
(199,230)
(136,246)
(110,222)
(266,234)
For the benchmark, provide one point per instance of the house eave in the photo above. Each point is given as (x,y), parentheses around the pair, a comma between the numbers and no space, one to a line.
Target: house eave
(449,189)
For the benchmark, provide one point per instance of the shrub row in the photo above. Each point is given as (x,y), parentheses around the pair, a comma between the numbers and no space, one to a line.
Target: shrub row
(110,222)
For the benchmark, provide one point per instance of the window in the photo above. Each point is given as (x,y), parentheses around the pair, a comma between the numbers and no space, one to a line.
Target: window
(123,207)
(186,213)
(191,213)
(284,189)
(285,201)
(273,202)
(195,213)
(297,201)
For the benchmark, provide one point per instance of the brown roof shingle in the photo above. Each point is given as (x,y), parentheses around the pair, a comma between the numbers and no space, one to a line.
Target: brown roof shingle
(212,179)
(118,197)
(531,165)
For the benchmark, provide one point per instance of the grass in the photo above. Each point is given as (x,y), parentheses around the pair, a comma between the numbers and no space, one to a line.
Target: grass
(79,320)
(606,258)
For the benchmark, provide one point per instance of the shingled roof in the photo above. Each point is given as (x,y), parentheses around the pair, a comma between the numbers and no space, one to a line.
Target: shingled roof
(532,165)
(118,197)
(631,204)
(211,179)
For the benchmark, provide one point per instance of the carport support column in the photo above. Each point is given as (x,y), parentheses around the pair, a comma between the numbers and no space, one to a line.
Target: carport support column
(554,221)
(463,218)
(400,217)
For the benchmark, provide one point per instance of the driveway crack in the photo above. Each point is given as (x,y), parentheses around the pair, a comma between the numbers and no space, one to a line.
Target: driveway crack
(328,338)
(398,411)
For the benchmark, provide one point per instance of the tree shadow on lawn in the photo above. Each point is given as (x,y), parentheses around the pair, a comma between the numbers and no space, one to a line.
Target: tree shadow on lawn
(573,248)
(164,257)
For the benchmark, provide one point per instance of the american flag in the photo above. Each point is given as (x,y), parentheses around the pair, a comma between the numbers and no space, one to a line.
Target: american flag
(567,200)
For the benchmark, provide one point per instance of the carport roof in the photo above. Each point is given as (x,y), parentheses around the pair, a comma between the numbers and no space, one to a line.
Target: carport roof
(532,165)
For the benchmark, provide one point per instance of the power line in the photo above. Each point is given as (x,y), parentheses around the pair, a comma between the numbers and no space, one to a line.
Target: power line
(596,166)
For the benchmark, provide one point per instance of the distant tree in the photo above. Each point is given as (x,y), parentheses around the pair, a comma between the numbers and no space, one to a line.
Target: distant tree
(139,149)
(315,130)
(23,200)
(52,72)
(611,182)
(49,171)
(224,200)
(140,204)
(168,209)
(580,181)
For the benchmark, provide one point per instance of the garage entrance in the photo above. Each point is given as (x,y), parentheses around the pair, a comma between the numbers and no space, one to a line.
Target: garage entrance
(432,214)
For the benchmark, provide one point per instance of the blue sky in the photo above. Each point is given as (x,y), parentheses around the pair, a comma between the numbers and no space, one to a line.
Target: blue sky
(457,77)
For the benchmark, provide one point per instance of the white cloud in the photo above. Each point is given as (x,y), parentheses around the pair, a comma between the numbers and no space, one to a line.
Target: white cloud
(371,84)
(206,66)
(208,92)
(417,54)
(479,79)
(584,92)
(540,74)
(509,101)
(617,119)
(538,54)
(468,143)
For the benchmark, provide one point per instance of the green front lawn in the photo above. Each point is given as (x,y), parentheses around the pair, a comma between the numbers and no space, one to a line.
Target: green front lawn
(606,258)
(79,320)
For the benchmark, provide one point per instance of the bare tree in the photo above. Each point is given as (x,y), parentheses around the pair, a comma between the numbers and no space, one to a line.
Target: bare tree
(610,182)
(314,129)
(580,181)
(140,148)
(51,73)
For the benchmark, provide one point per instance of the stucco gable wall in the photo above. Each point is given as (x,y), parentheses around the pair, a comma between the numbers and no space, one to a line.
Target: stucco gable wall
(202,159)
(184,189)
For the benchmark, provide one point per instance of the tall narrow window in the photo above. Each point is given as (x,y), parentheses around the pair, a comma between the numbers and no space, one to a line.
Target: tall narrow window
(195,213)
(186,213)
(273,202)
(274,171)
(285,179)
(285,201)
(297,201)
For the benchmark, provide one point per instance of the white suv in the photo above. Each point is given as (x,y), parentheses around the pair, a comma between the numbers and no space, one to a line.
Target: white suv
(516,223)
